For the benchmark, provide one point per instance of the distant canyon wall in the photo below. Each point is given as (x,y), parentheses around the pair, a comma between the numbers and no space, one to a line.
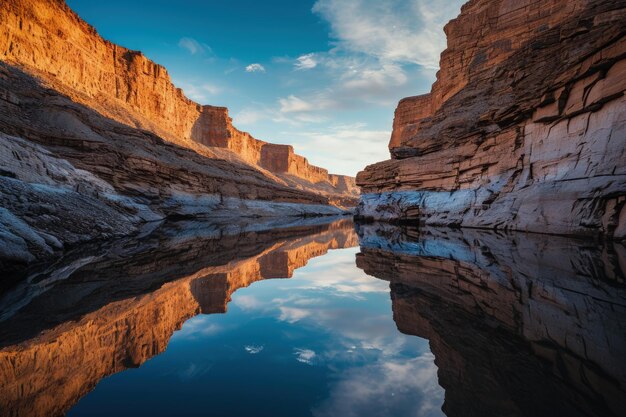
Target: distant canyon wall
(47,38)
(524,128)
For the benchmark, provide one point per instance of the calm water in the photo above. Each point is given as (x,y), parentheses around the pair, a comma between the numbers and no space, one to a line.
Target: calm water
(314,319)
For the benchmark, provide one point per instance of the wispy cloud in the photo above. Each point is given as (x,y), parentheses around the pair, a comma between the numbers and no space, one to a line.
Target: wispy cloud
(250,115)
(400,385)
(305,62)
(293,314)
(254,349)
(376,43)
(306,356)
(256,67)
(293,104)
(393,31)
(344,148)
(201,92)
(193,46)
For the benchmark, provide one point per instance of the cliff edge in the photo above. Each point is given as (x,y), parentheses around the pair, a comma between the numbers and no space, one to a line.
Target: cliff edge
(524,128)
(46,38)
(96,142)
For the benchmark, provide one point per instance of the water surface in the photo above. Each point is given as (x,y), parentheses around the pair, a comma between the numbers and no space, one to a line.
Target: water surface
(318,319)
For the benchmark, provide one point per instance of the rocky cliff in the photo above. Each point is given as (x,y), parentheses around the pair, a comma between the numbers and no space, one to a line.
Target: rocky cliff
(95,142)
(48,39)
(115,312)
(525,126)
(520,324)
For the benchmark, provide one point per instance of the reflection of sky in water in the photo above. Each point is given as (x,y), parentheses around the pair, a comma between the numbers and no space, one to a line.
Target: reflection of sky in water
(322,343)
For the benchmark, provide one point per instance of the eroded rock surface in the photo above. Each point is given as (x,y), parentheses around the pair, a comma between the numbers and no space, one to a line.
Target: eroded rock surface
(520,325)
(70,175)
(47,39)
(95,142)
(525,127)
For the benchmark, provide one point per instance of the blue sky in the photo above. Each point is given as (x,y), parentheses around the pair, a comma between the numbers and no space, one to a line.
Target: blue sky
(322,75)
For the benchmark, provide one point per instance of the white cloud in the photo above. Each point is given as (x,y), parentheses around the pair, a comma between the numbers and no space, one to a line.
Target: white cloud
(377,42)
(305,356)
(253,349)
(255,68)
(393,31)
(357,83)
(201,92)
(293,104)
(305,62)
(382,50)
(343,149)
(193,371)
(313,103)
(407,387)
(249,116)
(374,80)
(199,327)
(247,302)
(292,314)
(193,46)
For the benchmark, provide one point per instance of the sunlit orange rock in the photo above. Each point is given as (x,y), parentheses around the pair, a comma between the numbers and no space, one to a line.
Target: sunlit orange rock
(49,40)
(96,141)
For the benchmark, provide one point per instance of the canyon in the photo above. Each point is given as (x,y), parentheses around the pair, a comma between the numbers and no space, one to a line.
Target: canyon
(106,313)
(97,142)
(524,128)
(495,233)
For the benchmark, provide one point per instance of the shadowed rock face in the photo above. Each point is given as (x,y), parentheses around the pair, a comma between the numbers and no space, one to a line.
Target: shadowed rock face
(98,312)
(524,128)
(520,325)
(70,175)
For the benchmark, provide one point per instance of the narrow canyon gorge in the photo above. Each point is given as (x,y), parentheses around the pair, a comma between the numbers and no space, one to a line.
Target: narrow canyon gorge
(524,128)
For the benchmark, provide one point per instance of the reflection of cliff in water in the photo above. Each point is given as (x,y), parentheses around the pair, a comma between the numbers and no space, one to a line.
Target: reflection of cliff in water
(520,325)
(94,314)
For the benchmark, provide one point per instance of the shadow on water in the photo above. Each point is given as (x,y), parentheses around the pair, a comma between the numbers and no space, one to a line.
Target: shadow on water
(520,325)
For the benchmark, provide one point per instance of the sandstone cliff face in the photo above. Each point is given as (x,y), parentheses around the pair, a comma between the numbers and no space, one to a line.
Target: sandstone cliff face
(520,325)
(525,127)
(48,39)
(70,175)
(112,313)
(95,142)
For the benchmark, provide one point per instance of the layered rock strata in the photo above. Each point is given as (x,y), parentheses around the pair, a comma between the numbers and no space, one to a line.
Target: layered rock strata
(95,142)
(525,127)
(520,325)
(113,312)
(48,39)
(70,175)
